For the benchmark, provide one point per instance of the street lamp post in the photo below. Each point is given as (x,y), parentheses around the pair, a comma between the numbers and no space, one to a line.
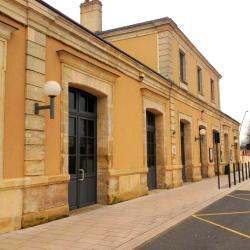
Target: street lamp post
(243,119)
(240,130)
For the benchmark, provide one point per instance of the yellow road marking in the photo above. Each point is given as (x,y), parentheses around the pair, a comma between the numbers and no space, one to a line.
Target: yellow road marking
(241,194)
(238,197)
(225,213)
(223,227)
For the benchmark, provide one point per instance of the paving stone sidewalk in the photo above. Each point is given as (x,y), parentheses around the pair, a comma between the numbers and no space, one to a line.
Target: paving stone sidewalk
(122,226)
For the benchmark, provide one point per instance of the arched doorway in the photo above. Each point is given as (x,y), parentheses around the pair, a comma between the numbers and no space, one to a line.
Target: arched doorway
(226,149)
(82,148)
(103,91)
(186,150)
(216,151)
(154,142)
(151,150)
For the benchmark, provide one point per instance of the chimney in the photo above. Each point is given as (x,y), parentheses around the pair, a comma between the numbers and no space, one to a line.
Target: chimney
(91,15)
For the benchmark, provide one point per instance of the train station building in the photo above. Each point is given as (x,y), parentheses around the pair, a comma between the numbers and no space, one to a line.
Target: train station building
(137,108)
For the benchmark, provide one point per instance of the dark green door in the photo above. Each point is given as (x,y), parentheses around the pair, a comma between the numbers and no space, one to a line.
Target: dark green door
(82,149)
(151,150)
(215,153)
(183,160)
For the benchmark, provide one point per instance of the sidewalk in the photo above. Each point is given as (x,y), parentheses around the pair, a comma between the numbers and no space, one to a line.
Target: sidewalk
(122,226)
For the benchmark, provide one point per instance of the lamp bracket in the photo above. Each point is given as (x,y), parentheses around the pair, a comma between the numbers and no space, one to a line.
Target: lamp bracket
(51,107)
(38,108)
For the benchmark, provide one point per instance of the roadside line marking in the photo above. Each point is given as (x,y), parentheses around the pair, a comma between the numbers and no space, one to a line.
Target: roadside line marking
(238,197)
(223,227)
(241,194)
(226,213)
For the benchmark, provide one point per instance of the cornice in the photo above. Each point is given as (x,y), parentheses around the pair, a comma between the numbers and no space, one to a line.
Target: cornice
(16,9)
(198,104)
(84,64)
(146,90)
(129,35)
(154,25)
(133,32)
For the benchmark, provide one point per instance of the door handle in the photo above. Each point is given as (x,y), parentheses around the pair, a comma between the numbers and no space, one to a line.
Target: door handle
(82,174)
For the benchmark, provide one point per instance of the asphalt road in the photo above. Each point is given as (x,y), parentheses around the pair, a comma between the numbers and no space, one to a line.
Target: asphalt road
(223,225)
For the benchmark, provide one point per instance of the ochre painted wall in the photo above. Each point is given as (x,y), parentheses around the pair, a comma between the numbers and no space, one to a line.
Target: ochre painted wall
(14,102)
(128,118)
(144,48)
(128,124)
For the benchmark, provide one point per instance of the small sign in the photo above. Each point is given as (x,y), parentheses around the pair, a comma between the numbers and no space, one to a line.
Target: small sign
(174,149)
(202,115)
(211,157)
(231,155)
(221,153)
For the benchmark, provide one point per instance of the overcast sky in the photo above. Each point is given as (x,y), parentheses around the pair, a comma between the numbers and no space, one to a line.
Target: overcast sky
(218,28)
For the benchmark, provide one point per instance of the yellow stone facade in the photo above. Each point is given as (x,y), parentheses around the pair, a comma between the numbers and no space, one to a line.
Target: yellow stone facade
(38,44)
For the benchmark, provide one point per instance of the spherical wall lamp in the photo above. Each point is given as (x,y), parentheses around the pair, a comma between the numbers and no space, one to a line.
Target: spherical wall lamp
(51,89)
(236,141)
(202,132)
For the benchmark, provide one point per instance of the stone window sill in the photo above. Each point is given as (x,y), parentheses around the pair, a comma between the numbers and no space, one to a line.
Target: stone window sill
(201,96)
(214,104)
(184,85)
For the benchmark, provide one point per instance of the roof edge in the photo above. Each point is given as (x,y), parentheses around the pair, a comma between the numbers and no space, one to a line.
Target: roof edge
(135,25)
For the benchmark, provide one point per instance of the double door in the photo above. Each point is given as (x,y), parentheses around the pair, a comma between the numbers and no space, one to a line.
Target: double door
(82,149)
(183,157)
(151,150)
